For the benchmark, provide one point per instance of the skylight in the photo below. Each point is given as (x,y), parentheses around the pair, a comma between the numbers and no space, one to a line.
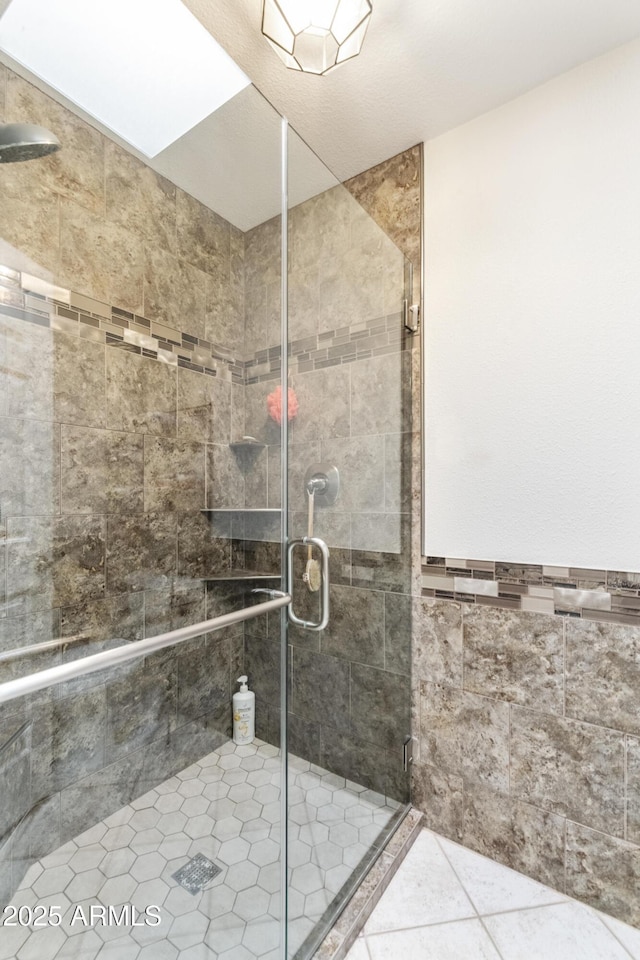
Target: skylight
(147,69)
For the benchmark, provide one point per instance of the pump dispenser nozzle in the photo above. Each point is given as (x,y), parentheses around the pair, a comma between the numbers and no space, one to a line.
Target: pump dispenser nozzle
(243,684)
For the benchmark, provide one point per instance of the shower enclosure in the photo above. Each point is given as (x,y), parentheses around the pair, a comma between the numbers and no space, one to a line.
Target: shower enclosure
(185,341)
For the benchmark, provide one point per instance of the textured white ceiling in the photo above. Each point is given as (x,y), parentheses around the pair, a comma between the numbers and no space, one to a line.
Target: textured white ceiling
(426,66)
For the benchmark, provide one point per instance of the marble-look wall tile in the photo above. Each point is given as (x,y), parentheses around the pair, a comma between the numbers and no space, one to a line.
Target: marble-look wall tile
(633,789)
(15,770)
(200,553)
(465,735)
(255,318)
(380,710)
(78,381)
(30,458)
(225,306)
(603,674)
(141,707)
(514,656)
(141,552)
(28,383)
(141,394)
(360,461)
(237,411)
(303,301)
(320,689)
(39,832)
(54,562)
(228,595)
(516,834)
(31,234)
(301,457)
(174,475)
(204,408)
(303,738)
(75,172)
(16,632)
(363,762)
(603,872)
(175,292)
(97,626)
(379,532)
(262,253)
(356,625)
(570,768)
(254,467)
(397,469)
(181,604)
(99,258)
(225,478)
(436,632)
(262,665)
(390,193)
(68,738)
(397,633)
(351,289)
(377,395)
(440,796)
(139,199)
(3,87)
(323,404)
(204,677)
(86,802)
(320,228)
(204,238)
(258,423)
(102,471)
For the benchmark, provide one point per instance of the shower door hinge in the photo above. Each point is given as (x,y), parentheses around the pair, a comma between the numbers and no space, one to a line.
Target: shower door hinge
(407,753)
(411,316)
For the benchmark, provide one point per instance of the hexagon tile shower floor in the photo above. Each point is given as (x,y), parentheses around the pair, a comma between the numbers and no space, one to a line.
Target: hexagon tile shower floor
(224,811)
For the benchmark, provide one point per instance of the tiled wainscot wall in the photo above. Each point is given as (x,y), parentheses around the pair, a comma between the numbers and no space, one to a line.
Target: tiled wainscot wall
(526,691)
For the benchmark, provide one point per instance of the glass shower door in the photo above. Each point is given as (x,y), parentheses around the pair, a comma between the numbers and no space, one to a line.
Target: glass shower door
(349,686)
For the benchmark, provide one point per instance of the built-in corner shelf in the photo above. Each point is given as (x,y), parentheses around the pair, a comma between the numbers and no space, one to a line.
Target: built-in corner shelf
(246,445)
(240,523)
(241,575)
(225,511)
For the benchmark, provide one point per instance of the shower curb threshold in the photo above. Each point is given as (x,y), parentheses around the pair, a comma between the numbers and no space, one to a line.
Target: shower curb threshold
(344,932)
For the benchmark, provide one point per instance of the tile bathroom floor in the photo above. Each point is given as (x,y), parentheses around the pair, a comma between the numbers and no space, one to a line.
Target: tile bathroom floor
(226,807)
(448,903)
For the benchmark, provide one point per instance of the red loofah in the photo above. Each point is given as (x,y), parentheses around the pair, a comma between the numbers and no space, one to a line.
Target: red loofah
(274,404)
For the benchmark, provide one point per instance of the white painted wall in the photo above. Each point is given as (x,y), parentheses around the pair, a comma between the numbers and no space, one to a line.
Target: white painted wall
(532,225)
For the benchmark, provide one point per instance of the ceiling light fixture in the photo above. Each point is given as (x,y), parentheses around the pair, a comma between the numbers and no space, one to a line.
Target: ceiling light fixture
(314,36)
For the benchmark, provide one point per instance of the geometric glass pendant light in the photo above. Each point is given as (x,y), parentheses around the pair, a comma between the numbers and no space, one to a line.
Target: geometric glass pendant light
(315,36)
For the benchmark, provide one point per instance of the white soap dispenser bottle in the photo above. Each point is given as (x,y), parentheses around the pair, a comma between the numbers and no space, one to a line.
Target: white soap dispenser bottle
(244,713)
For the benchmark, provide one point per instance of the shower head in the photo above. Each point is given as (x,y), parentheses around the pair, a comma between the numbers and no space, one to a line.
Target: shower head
(25,141)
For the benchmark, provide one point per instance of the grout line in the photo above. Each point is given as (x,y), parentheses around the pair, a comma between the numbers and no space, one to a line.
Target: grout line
(455,873)
(625,776)
(615,936)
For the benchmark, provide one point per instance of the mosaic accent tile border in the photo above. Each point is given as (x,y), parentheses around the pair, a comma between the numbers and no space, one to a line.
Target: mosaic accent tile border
(359,341)
(28,298)
(612,596)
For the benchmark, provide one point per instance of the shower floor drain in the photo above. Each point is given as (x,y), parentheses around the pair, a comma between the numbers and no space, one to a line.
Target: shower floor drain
(196,874)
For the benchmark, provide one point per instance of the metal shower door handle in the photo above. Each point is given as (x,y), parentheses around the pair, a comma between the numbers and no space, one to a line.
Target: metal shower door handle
(324,595)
